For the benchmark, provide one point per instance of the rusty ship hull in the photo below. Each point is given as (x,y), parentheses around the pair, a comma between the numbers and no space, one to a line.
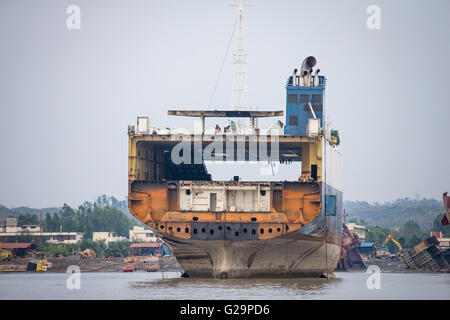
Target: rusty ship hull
(296,239)
(244,229)
(283,257)
(275,258)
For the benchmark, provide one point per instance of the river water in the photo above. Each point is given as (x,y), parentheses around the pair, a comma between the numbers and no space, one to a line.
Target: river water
(141,285)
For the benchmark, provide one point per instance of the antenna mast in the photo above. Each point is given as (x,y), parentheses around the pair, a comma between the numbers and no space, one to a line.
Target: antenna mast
(240,99)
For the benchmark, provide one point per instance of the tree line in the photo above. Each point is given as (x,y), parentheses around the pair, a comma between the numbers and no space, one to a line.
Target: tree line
(102,250)
(106,214)
(396,213)
(88,220)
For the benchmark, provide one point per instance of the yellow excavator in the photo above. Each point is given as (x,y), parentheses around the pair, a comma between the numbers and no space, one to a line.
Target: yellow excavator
(88,253)
(389,237)
(5,254)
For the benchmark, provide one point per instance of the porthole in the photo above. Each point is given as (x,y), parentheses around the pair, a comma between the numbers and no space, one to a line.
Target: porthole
(186,230)
(245,230)
(178,229)
(203,230)
(270,230)
(261,230)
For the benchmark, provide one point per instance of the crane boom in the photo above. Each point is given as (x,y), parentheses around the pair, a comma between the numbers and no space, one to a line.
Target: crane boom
(389,237)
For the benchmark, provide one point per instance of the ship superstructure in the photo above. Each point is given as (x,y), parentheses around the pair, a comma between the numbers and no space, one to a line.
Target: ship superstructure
(235,228)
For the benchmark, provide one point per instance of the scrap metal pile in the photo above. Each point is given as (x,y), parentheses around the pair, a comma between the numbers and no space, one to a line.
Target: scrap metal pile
(427,256)
(350,256)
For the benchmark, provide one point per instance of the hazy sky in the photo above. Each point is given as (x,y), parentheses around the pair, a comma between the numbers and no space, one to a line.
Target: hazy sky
(67,96)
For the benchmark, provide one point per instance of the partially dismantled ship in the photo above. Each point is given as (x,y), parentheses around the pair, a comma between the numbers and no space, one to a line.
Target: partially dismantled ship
(244,229)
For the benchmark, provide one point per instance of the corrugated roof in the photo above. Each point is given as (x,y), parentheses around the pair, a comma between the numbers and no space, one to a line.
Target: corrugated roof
(19,245)
(366,244)
(146,245)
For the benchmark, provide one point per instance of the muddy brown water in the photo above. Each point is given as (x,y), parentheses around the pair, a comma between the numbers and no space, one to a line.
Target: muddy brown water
(169,285)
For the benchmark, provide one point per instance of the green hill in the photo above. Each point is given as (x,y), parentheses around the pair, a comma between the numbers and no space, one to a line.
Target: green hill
(395,213)
(16,212)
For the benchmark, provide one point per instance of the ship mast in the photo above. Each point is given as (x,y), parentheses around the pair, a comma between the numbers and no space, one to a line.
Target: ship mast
(240,99)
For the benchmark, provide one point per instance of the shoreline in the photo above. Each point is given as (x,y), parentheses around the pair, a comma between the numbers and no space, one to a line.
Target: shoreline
(60,265)
(169,264)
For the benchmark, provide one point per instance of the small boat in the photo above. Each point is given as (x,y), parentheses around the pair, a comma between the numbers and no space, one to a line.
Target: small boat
(152,268)
(12,268)
(128,269)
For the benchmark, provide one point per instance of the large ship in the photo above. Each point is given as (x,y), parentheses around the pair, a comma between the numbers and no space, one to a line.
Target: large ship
(244,229)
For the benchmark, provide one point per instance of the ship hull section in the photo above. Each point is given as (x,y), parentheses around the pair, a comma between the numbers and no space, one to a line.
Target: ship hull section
(282,257)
